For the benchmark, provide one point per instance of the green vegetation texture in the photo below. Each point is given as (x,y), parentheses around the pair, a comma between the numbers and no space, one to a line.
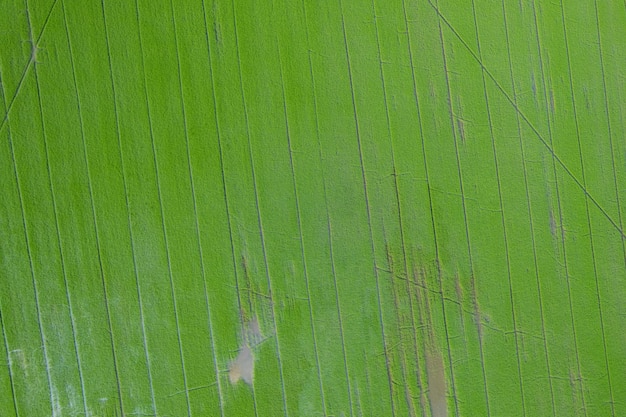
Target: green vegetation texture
(420,203)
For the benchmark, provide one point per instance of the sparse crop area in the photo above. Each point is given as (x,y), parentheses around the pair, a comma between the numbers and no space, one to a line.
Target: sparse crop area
(312,208)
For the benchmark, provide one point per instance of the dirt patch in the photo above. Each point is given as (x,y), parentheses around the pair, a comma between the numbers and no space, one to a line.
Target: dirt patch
(242,367)
(436,384)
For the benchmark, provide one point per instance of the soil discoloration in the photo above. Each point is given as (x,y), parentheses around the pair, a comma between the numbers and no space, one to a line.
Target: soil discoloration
(437,386)
(242,367)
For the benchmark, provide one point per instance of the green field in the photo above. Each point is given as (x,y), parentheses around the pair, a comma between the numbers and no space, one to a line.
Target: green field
(421,203)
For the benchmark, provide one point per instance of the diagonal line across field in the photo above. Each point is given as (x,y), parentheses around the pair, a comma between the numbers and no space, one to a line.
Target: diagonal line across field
(530,124)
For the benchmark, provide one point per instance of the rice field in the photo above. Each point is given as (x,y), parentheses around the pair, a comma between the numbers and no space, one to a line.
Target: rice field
(307,208)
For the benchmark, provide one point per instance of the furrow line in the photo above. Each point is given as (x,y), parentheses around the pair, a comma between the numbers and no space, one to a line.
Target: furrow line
(402,353)
(299,221)
(9,361)
(170,274)
(609,127)
(29,253)
(223,177)
(258,212)
(530,216)
(367,204)
(226,203)
(556,185)
(331,251)
(95,229)
(430,199)
(330,235)
(615,183)
(195,208)
(467,235)
(501,203)
(421,292)
(339,315)
(162,215)
(549,125)
(128,216)
(593,257)
(398,205)
(4,336)
(58,236)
